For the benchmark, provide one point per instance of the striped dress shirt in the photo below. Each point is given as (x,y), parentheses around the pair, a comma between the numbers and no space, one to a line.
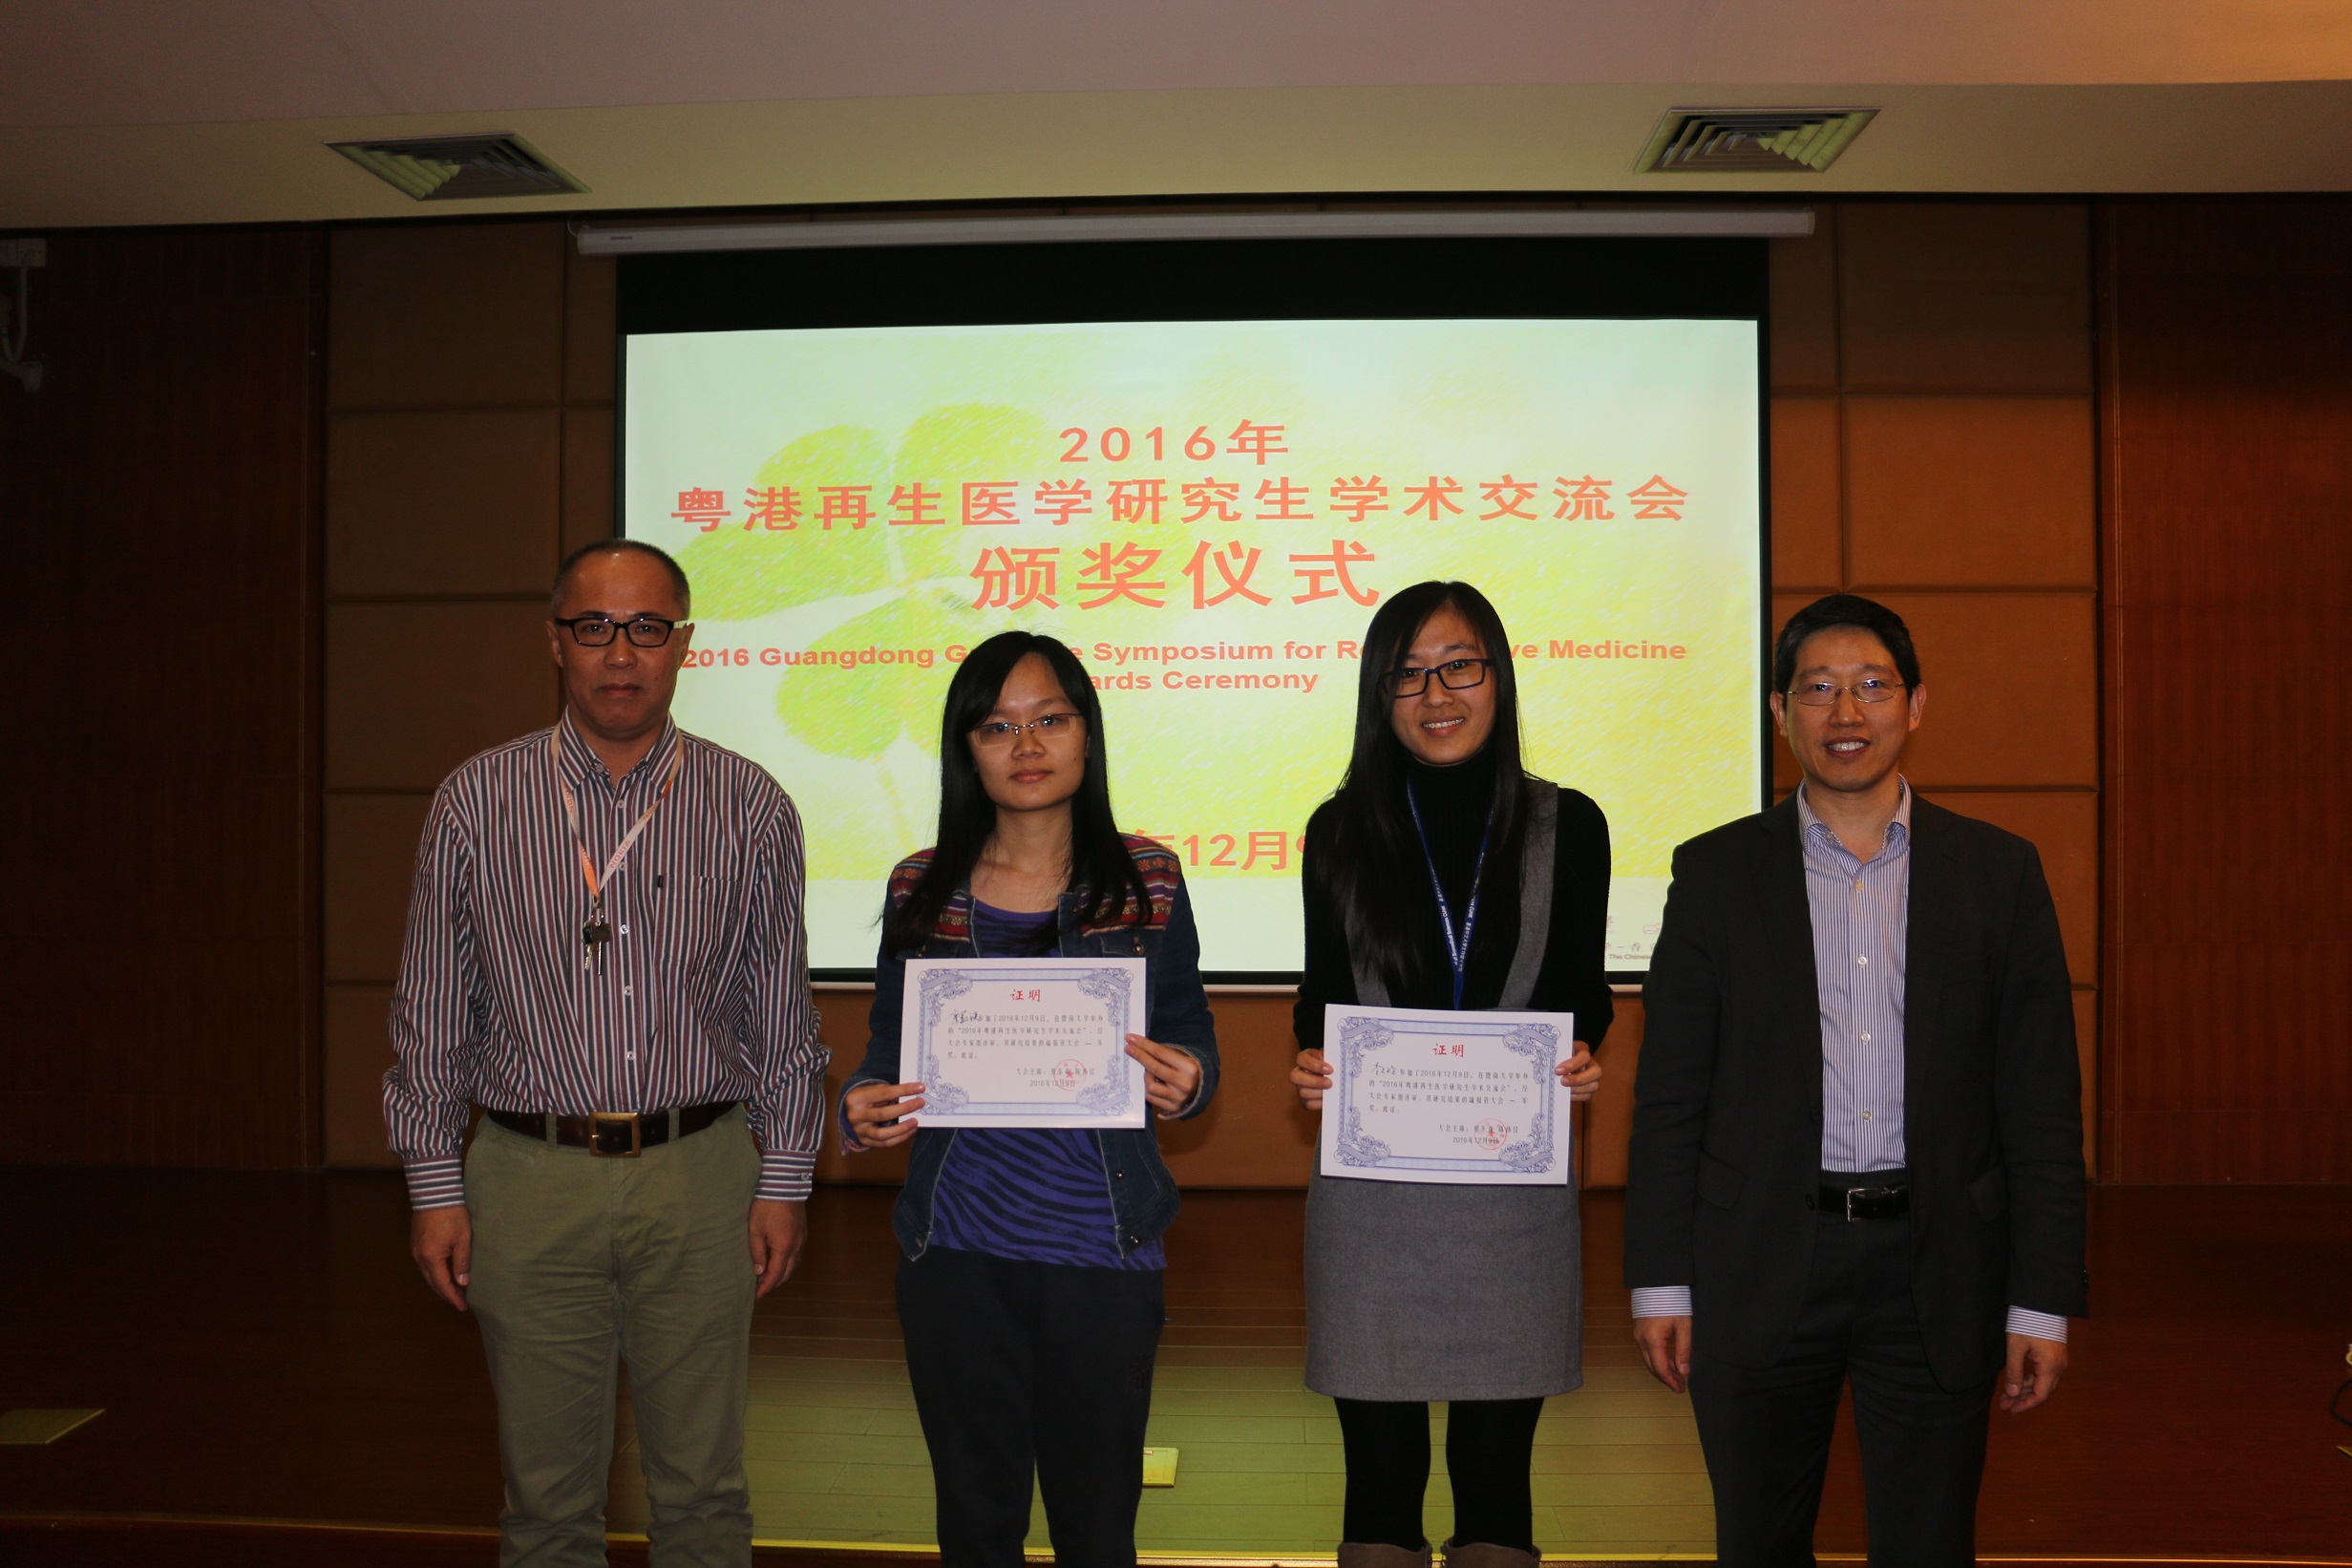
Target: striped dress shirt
(1861,919)
(1862,940)
(701,994)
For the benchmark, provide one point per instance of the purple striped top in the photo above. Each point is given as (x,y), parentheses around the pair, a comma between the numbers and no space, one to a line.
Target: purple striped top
(1036,1193)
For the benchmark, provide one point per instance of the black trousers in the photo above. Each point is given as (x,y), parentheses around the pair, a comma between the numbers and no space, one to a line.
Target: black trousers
(1766,1432)
(1489,1446)
(1023,1369)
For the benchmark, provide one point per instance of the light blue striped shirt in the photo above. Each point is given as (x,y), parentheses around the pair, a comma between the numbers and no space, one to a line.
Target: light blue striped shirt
(1861,913)
(1861,929)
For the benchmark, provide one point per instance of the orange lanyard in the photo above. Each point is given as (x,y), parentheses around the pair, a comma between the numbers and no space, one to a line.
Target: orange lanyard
(597,931)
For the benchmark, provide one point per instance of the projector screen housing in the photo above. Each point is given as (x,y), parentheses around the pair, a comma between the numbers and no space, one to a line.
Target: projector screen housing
(1534,377)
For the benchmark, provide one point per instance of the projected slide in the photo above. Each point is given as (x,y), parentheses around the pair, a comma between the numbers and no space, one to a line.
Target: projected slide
(1208,513)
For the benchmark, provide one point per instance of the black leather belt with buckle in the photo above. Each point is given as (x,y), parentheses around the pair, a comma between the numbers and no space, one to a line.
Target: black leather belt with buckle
(1886,1202)
(619,1134)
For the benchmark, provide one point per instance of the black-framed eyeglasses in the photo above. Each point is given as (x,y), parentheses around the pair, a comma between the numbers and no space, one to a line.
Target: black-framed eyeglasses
(596,630)
(1455,675)
(1049,727)
(1824,694)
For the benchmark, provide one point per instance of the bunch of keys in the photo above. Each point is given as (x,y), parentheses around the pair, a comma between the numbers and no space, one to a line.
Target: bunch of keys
(593,934)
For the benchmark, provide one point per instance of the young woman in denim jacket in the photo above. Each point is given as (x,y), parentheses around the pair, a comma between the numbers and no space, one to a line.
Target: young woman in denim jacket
(1029,1279)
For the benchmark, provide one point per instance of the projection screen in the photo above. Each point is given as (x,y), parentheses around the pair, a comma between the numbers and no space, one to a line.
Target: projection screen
(1208,510)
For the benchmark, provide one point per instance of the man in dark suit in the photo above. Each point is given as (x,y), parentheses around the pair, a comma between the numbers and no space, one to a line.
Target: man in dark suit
(1857,1145)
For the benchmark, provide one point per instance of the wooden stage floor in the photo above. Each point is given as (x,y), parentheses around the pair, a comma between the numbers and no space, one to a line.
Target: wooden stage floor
(264,1351)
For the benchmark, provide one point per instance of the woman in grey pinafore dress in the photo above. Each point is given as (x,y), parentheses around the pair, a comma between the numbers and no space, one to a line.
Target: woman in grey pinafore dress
(1441,875)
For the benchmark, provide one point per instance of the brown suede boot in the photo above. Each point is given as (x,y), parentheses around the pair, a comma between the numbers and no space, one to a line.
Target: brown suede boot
(1360,1554)
(1480,1554)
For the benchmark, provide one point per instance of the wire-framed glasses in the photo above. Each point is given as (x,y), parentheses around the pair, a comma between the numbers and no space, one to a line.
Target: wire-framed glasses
(1455,675)
(596,630)
(1049,727)
(1824,694)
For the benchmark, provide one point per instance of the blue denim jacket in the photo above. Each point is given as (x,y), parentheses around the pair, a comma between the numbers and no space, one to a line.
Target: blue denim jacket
(1143,1194)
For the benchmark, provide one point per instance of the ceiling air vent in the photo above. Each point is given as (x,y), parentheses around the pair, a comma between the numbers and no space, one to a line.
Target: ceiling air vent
(1749,140)
(460,168)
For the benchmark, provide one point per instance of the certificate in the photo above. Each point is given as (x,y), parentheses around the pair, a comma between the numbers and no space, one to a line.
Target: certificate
(1462,1097)
(1024,1041)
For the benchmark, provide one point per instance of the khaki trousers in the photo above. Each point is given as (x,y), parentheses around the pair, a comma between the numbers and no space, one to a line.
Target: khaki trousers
(580,1262)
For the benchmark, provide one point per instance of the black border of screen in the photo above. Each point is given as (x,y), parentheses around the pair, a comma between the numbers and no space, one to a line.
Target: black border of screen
(1217,280)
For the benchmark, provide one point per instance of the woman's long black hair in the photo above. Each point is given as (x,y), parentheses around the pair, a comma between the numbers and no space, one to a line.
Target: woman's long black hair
(1374,873)
(1099,864)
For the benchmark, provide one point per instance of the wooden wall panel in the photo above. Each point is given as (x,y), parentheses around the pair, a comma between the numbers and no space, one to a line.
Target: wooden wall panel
(1964,296)
(841,1020)
(1956,485)
(2013,688)
(1803,324)
(371,859)
(587,476)
(415,688)
(1607,1126)
(448,314)
(2087,1049)
(1255,1134)
(1807,492)
(2227,395)
(1970,492)
(442,502)
(456,469)
(2064,825)
(358,1053)
(161,833)
(591,327)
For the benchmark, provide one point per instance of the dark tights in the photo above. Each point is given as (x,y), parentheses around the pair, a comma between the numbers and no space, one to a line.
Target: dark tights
(1489,1446)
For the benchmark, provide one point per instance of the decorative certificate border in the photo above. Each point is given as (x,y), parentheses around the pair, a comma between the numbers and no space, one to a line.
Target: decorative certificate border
(1112,982)
(1360,1038)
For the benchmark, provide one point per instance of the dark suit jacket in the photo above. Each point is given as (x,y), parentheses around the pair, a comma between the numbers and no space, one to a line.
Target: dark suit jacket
(1726,1132)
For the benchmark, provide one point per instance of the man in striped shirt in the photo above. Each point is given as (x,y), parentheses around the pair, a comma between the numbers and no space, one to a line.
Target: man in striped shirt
(606,952)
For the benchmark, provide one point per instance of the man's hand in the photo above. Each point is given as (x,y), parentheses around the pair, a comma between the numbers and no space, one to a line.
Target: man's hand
(880,1115)
(2035,1367)
(1311,1076)
(441,1241)
(1665,1349)
(777,1232)
(1171,1077)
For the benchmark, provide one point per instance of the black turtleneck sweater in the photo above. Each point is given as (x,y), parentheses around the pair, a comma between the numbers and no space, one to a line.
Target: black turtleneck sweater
(1453,805)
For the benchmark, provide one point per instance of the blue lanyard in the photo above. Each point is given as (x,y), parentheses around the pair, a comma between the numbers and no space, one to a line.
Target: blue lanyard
(1458,948)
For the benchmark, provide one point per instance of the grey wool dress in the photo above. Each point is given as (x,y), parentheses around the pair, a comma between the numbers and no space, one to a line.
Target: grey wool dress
(1419,1291)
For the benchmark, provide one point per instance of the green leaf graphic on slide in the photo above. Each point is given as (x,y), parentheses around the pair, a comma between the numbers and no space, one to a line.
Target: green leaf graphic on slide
(739,575)
(970,443)
(857,710)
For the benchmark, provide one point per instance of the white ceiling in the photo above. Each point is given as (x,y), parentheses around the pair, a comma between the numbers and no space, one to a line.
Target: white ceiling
(147,111)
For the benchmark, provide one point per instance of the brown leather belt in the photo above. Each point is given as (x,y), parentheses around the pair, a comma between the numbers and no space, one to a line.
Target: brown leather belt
(619,1134)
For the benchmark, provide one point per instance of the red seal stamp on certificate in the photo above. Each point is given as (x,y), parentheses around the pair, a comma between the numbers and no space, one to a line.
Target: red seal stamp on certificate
(1492,1134)
(1069,1073)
